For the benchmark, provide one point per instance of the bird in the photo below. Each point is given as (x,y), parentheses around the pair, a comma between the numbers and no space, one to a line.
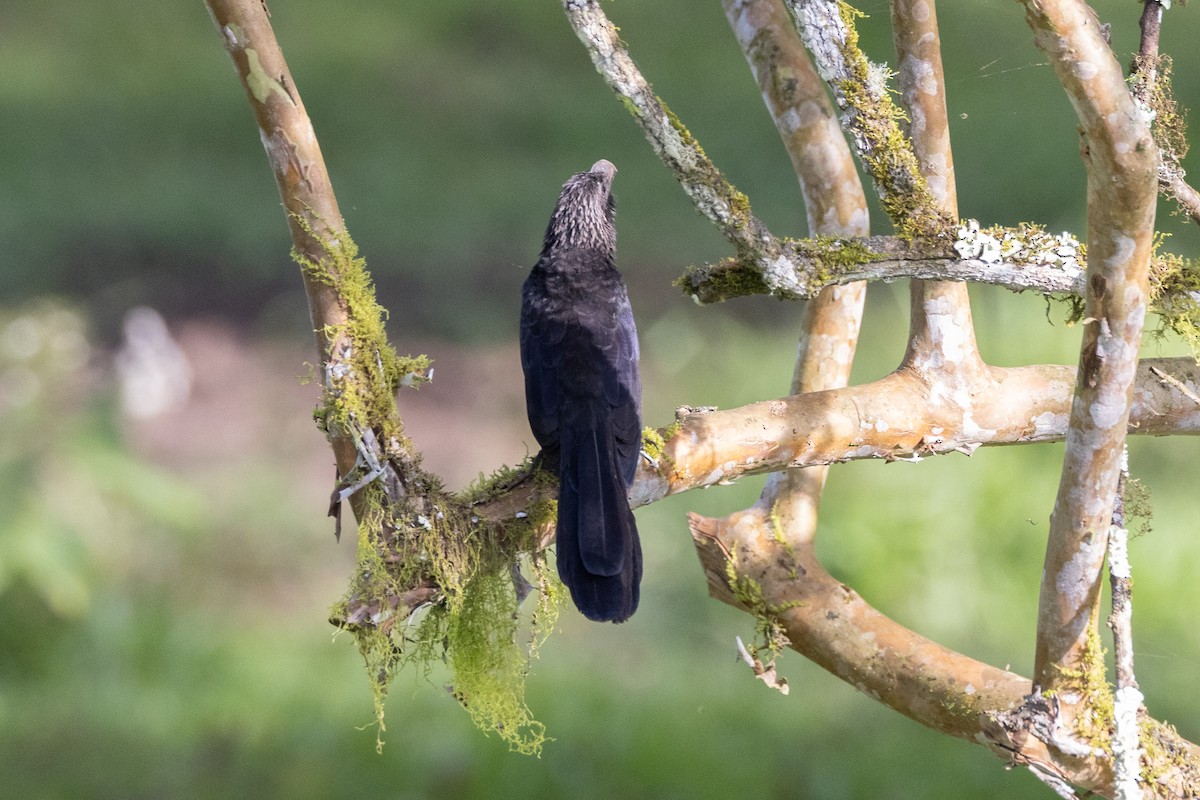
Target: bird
(583,395)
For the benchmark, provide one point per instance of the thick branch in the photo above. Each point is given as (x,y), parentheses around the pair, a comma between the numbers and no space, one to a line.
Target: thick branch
(750,567)
(299,168)
(1120,157)
(900,417)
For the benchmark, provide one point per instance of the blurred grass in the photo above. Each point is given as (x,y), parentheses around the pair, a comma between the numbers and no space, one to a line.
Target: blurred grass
(162,631)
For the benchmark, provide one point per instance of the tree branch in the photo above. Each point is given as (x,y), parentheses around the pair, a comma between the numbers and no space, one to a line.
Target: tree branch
(1127,703)
(1120,157)
(941,330)
(1019,259)
(900,417)
(714,197)
(751,567)
(299,168)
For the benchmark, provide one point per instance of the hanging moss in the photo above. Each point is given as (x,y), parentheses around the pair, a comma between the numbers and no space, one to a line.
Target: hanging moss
(419,546)
(489,664)
(1175,295)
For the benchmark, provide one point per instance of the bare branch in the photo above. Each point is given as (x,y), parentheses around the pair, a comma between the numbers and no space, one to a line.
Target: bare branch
(1120,157)
(295,158)
(835,205)
(899,417)
(749,566)
(922,86)
(941,329)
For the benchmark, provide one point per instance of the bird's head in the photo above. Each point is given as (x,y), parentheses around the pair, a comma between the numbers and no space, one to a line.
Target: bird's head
(586,211)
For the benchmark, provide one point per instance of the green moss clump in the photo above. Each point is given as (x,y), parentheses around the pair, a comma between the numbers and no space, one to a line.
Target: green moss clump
(653,444)
(733,277)
(489,665)
(1152,86)
(1093,720)
(502,479)
(365,371)
(685,136)
(1169,124)
(770,638)
(832,257)
(828,258)
(1166,758)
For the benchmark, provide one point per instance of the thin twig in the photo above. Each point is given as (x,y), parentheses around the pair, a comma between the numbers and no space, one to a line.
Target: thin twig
(1180,386)
(1127,702)
(1150,24)
(1145,88)
(711,193)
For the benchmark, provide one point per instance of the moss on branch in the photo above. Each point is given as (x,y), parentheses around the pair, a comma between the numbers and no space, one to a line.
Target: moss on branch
(420,547)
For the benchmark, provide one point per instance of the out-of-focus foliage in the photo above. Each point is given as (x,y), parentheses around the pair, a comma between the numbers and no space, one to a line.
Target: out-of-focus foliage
(201,665)
(131,170)
(162,622)
(76,504)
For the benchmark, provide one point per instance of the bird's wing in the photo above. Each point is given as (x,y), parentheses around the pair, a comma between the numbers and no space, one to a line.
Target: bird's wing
(541,360)
(623,388)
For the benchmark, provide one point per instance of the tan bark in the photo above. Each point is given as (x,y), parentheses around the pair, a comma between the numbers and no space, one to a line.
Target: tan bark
(1121,159)
(295,157)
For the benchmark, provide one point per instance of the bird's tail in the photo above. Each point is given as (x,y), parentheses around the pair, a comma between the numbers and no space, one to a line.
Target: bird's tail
(599,554)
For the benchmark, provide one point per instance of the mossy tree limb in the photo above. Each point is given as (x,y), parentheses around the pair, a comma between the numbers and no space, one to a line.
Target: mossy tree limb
(418,545)
(869,116)
(813,264)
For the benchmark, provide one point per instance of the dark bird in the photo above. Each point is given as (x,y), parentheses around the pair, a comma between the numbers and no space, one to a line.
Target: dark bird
(579,351)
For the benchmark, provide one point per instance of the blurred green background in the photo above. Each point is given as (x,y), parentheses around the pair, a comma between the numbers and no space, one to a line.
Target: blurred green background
(164,578)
